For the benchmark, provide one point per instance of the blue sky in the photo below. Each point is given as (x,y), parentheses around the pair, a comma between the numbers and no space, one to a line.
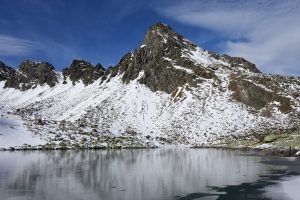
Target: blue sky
(264,32)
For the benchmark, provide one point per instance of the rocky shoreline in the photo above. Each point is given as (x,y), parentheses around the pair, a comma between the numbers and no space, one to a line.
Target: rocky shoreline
(275,151)
(282,152)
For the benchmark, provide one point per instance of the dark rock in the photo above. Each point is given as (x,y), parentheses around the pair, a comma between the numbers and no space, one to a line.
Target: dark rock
(256,96)
(30,74)
(41,72)
(39,121)
(162,49)
(11,149)
(250,94)
(236,62)
(109,73)
(83,70)
(129,131)
(5,71)
(148,137)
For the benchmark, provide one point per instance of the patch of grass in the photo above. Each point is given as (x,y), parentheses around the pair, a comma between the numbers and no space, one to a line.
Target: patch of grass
(243,143)
(270,138)
(276,140)
(290,140)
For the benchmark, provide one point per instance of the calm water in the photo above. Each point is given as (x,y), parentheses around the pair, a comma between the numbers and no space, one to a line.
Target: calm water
(142,174)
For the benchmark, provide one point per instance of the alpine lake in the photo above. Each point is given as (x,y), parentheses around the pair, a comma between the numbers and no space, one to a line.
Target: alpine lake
(147,174)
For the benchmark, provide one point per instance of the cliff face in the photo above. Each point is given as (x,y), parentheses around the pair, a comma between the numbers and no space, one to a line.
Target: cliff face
(30,74)
(84,71)
(169,61)
(5,71)
(167,91)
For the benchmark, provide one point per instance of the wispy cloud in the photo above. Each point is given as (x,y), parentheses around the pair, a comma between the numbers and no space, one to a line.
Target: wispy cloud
(12,46)
(265,32)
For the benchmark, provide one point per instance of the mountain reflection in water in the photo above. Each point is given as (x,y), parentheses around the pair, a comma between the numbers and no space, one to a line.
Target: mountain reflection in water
(137,174)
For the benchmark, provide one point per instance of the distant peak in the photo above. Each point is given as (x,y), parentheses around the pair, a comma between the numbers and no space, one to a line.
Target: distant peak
(26,61)
(80,61)
(84,71)
(160,26)
(30,62)
(158,32)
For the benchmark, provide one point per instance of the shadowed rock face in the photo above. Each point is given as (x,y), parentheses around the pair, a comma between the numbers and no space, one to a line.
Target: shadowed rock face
(251,94)
(5,71)
(161,50)
(30,74)
(83,70)
(257,94)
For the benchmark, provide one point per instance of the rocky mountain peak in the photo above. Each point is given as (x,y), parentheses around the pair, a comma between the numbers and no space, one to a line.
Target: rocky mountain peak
(30,74)
(83,70)
(80,64)
(161,26)
(162,37)
(5,71)
(169,61)
(27,67)
(165,60)
(158,31)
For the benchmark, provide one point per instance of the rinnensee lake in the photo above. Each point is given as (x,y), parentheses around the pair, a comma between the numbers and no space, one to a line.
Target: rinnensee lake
(166,173)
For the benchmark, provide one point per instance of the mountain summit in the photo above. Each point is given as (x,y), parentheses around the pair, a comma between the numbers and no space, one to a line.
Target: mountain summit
(168,91)
(169,61)
(156,33)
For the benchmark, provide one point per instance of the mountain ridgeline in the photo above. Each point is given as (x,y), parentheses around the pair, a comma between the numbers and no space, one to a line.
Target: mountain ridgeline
(176,71)
(161,44)
(160,50)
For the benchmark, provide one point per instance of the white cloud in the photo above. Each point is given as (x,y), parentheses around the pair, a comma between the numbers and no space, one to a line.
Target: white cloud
(12,46)
(270,30)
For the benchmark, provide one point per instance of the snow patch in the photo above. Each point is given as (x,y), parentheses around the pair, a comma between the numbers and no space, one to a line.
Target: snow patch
(13,133)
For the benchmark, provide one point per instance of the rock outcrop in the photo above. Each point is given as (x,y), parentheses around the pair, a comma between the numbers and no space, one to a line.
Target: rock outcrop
(169,61)
(5,71)
(84,71)
(30,74)
(258,95)
(160,51)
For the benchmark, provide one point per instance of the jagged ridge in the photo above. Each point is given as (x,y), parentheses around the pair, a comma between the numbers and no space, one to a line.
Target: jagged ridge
(84,71)
(30,74)
(167,91)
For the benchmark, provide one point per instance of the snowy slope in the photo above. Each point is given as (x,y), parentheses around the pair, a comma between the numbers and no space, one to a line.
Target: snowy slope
(14,134)
(193,117)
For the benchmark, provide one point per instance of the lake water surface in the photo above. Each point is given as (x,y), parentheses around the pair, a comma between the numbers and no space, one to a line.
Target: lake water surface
(145,174)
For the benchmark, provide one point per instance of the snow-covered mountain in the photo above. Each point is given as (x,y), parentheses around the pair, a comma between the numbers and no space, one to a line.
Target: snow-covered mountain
(167,91)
